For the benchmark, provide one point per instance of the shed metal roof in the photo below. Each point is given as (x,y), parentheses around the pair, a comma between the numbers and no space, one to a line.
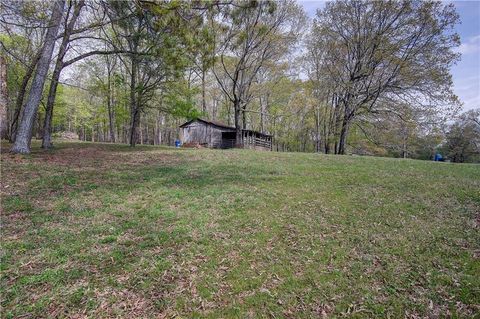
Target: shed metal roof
(219,124)
(222,125)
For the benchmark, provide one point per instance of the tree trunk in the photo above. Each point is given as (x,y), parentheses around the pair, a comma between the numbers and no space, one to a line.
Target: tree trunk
(238,128)
(317,131)
(147,141)
(141,130)
(125,132)
(47,125)
(21,96)
(262,115)
(134,113)
(229,111)
(110,100)
(342,141)
(38,128)
(3,98)
(111,114)
(244,118)
(327,131)
(204,102)
(156,135)
(24,134)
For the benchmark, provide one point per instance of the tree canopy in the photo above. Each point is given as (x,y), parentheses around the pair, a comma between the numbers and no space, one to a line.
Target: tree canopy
(365,77)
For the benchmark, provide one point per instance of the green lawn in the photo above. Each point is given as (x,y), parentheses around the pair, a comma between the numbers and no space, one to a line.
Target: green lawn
(98,230)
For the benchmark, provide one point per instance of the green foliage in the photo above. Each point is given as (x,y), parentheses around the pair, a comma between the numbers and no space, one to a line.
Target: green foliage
(366,63)
(179,101)
(16,69)
(463,138)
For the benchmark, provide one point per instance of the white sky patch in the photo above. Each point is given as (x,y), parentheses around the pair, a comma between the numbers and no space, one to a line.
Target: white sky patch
(311,6)
(472,45)
(468,90)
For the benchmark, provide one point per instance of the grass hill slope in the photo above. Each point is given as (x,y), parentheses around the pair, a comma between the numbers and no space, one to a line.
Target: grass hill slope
(98,230)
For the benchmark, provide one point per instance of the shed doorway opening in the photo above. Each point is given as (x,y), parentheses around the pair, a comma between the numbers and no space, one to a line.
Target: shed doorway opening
(228,139)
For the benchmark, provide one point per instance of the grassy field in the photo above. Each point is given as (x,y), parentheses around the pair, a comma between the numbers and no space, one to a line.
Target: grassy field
(97,230)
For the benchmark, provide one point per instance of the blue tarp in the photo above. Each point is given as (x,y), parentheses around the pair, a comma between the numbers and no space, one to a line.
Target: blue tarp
(438,157)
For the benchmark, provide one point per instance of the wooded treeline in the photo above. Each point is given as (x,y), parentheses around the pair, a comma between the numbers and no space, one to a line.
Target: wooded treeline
(364,77)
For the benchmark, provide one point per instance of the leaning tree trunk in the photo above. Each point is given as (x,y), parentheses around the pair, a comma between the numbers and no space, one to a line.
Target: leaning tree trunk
(21,96)
(47,124)
(24,134)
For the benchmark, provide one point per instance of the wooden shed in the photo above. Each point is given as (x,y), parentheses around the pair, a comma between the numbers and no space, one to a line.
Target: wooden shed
(218,135)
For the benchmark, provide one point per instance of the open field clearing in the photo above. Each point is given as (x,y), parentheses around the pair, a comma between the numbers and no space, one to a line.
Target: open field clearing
(99,230)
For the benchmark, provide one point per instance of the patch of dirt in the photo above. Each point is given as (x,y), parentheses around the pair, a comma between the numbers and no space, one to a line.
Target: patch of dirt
(79,157)
(193,145)
(95,156)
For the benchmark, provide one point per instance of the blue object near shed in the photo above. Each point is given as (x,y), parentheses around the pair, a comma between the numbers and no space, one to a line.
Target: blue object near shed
(178,143)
